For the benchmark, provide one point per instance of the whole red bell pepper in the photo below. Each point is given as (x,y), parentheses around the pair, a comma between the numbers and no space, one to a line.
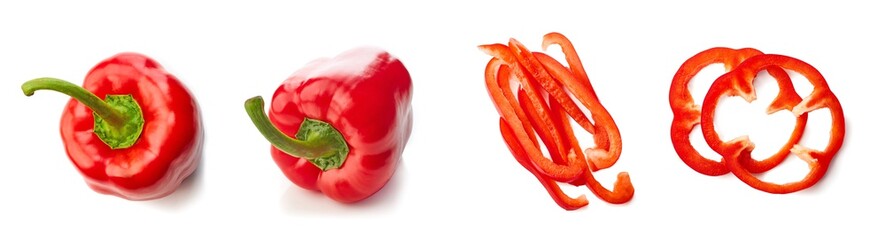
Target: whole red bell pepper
(142,140)
(351,117)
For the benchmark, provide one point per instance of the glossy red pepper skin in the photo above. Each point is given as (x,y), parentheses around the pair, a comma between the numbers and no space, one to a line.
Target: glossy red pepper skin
(169,148)
(365,94)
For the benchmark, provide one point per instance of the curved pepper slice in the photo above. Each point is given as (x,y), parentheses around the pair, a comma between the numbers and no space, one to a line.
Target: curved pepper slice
(139,142)
(563,173)
(551,186)
(607,136)
(351,116)
(740,82)
(623,189)
(577,69)
(687,114)
(531,65)
(543,105)
(554,141)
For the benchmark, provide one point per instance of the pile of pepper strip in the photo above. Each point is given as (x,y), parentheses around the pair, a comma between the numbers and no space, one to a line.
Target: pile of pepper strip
(742,67)
(526,113)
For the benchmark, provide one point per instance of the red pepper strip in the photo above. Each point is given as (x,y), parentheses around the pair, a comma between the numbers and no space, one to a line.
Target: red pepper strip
(571,57)
(555,171)
(687,114)
(608,151)
(504,82)
(623,189)
(561,119)
(551,186)
(821,97)
(556,149)
(525,81)
(578,70)
(554,141)
(524,58)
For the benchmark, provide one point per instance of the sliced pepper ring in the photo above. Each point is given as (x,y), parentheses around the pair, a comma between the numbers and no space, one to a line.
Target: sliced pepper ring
(687,114)
(738,151)
(728,85)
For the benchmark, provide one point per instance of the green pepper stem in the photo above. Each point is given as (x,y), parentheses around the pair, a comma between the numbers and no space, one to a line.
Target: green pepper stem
(101,108)
(316,141)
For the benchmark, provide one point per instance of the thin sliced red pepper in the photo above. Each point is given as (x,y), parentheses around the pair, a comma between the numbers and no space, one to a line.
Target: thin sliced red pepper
(552,140)
(687,114)
(737,151)
(551,118)
(504,82)
(551,186)
(502,52)
(561,119)
(623,189)
(571,57)
(525,59)
(608,148)
(557,172)
(576,67)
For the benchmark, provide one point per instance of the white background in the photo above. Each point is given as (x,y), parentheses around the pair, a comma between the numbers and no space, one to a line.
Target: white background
(457,178)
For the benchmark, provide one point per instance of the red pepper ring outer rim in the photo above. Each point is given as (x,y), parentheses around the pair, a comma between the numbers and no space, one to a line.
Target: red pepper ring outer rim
(821,97)
(687,114)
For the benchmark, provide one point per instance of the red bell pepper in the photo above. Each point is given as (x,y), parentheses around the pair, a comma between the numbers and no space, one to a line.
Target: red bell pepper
(740,82)
(351,118)
(142,140)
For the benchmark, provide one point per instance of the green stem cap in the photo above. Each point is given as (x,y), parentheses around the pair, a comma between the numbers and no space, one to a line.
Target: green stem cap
(317,141)
(118,120)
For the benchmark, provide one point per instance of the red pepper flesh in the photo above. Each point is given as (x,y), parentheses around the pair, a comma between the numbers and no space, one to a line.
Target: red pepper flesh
(165,152)
(563,173)
(687,114)
(606,136)
(543,106)
(740,82)
(361,97)
(551,186)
